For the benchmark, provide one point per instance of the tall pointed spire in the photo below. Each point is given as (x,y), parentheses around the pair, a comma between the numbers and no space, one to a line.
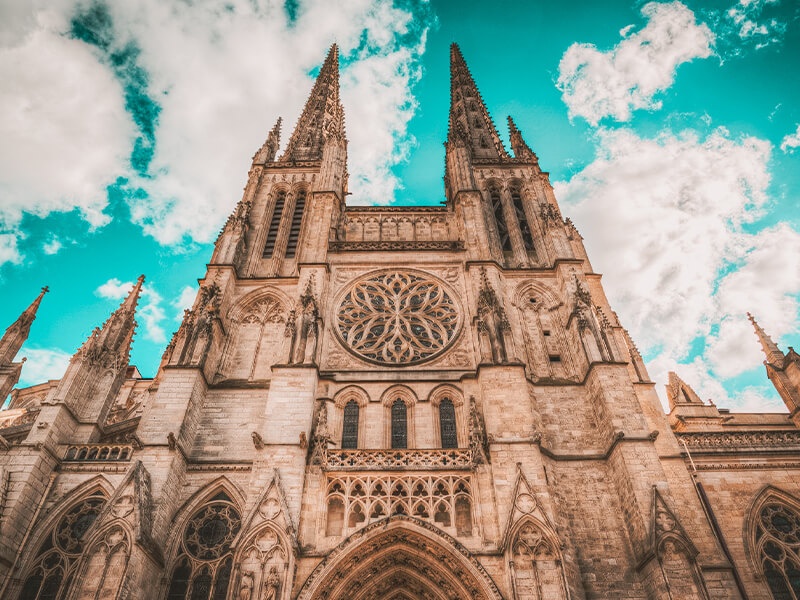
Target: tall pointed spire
(771,351)
(269,149)
(470,122)
(521,150)
(323,115)
(17,333)
(111,343)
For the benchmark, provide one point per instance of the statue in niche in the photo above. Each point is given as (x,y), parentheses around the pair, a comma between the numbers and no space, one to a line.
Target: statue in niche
(198,324)
(308,328)
(272,585)
(246,587)
(478,440)
(320,437)
(492,320)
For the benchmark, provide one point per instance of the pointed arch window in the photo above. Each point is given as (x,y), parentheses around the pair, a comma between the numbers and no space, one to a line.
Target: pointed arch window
(274,224)
(500,219)
(399,424)
(53,570)
(297,221)
(350,426)
(203,567)
(447,424)
(519,210)
(778,543)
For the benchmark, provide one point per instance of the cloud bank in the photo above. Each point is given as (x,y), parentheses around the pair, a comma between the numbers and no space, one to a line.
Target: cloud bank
(596,85)
(168,100)
(666,220)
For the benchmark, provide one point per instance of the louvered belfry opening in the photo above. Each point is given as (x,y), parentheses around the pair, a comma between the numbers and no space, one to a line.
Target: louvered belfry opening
(500,219)
(274,224)
(297,221)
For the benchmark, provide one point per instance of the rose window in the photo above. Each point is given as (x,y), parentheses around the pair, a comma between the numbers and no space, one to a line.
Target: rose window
(397,317)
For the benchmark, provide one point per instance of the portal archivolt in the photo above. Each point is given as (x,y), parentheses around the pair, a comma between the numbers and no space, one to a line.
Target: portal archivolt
(399,557)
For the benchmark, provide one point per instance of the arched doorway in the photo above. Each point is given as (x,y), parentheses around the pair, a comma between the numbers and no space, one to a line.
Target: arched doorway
(399,557)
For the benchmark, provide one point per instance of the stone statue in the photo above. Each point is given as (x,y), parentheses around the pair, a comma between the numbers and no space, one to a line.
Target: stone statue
(272,585)
(308,328)
(492,320)
(246,587)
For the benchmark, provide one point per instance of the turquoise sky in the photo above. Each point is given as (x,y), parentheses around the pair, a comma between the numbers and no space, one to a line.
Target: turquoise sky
(724,119)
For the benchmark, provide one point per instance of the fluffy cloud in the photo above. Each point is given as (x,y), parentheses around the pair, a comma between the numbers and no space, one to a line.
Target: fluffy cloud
(663,218)
(747,23)
(222,77)
(149,312)
(597,84)
(175,97)
(66,134)
(791,141)
(42,364)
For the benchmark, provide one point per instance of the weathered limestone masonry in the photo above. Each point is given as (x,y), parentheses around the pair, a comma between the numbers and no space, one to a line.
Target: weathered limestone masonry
(369,403)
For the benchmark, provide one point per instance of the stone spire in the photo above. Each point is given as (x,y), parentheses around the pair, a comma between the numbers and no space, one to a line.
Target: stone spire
(110,344)
(17,333)
(470,122)
(97,370)
(521,150)
(323,116)
(771,351)
(680,392)
(268,151)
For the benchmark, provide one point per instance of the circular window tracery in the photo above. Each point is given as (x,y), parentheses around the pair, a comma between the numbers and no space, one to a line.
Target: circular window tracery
(397,318)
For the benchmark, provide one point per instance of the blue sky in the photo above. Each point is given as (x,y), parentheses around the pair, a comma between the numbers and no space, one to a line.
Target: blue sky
(671,131)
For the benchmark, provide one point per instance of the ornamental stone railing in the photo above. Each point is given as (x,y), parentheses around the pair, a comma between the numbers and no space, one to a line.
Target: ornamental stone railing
(99,452)
(343,460)
(724,440)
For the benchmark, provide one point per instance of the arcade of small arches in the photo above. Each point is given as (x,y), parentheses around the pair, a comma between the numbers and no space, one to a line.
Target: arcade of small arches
(84,548)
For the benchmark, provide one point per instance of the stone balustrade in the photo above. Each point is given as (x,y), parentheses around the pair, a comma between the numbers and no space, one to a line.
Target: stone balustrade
(99,452)
(343,460)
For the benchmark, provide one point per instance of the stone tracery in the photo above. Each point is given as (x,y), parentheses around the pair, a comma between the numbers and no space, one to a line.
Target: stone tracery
(397,317)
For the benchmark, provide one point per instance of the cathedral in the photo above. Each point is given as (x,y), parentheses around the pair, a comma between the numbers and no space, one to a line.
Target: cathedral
(392,403)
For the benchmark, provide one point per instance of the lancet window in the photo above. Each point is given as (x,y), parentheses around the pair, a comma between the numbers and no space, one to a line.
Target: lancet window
(350,426)
(500,219)
(445,501)
(203,567)
(447,424)
(399,424)
(297,221)
(519,210)
(274,224)
(54,568)
(778,550)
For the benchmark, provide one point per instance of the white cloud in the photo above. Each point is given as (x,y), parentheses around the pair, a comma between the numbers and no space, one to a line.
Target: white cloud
(148,312)
(222,79)
(745,22)
(66,134)
(9,252)
(42,364)
(52,246)
(628,77)
(184,301)
(791,141)
(220,75)
(663,219)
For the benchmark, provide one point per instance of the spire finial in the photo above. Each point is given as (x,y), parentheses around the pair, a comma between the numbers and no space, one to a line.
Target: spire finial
(468,112)
(518,146)
(323,115)
(770,348)
(17,333)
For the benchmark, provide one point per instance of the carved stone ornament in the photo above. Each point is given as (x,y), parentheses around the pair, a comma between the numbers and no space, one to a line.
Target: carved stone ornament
(397,317)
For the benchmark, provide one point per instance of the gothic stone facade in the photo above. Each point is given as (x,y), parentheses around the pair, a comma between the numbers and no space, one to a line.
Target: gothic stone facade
(405,402)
